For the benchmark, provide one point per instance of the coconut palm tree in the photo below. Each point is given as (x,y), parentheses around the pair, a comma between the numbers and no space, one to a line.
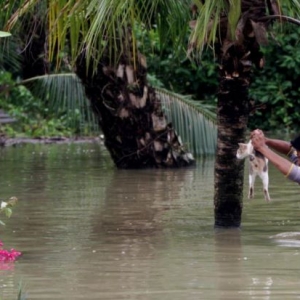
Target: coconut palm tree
(236,30)
(183,109)
(100,35)
(129,112)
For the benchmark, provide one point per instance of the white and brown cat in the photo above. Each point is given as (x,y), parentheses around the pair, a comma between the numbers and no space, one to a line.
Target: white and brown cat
(258,165)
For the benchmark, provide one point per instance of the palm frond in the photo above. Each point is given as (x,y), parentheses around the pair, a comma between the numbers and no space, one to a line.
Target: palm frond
(234,16)
(193,121)
(282,18)
(207,23)
(11,11)
(22,295)
(290,8)
(96,26)
(10,58)
(4,34)
(172,20)
(64,93)
(207,26)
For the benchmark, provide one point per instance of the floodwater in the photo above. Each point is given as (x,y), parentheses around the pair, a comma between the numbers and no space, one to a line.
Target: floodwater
(89,231)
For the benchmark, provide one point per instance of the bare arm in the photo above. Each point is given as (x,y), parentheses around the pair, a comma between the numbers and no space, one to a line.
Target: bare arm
(260,144)
(282,164)
(282,147)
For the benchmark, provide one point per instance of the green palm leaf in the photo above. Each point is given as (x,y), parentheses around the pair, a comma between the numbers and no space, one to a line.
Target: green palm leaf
(10,59)
(193,121)
(96,26)
(64,93)
(215,15)
(4,34)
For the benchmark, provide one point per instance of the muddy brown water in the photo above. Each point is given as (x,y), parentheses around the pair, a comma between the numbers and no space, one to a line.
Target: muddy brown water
(89,231)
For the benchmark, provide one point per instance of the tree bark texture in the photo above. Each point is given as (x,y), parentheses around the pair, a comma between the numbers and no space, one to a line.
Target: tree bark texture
(236,59)
(229,172)
(136,131)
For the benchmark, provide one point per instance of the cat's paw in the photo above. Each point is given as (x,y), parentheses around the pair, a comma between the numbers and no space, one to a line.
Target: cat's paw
(251,157)
(267,196)
(251,193)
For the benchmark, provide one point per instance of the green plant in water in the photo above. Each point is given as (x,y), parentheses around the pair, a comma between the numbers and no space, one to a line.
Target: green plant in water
(7,255)
(21,294)
(6,207)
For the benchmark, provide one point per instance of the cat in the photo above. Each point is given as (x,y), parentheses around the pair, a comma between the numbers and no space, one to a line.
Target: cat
(258,165)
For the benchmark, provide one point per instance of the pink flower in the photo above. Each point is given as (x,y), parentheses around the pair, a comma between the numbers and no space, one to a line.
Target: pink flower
(6,255)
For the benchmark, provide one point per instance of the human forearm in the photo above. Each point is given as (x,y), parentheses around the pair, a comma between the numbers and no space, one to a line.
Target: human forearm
(282,164)
(282,147)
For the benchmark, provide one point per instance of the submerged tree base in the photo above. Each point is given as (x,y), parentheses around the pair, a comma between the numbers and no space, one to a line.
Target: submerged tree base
(228,215)
(129,113)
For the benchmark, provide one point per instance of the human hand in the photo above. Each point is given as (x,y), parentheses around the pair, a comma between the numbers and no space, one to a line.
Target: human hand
(258,139)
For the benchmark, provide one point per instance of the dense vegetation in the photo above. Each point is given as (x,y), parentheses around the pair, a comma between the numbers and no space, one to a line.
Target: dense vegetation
(35,117)
(277,87)
(275,90)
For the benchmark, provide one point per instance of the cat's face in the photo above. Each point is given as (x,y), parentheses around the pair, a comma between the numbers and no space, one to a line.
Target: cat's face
(244,150)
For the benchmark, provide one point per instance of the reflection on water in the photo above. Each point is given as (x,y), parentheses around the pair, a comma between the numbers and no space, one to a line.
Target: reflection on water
(89,231)
(287,239)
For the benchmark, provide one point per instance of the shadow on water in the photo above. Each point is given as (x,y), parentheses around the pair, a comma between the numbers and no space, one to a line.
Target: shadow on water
(89,231)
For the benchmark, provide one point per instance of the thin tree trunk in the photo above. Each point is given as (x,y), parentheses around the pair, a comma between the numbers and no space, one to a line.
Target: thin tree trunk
(136,131)
(237,56)
(229,172)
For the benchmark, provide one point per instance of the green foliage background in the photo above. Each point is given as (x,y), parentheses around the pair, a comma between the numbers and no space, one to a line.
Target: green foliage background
(34,117)
(277,87)
(275,90)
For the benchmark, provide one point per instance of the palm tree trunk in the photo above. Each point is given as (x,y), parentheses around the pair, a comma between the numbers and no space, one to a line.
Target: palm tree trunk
(136,131)
(237,57)
(229,172)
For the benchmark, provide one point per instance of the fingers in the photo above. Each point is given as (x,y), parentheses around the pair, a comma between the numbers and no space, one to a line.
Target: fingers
(258,139)
(256,132)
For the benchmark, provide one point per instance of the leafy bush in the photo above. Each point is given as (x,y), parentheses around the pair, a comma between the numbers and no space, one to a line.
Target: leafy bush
(275,89)
(277,86)
(177,73)
(7,255)
(35,118)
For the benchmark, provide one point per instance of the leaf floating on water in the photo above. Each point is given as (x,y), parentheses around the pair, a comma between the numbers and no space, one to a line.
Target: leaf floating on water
(8,212)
